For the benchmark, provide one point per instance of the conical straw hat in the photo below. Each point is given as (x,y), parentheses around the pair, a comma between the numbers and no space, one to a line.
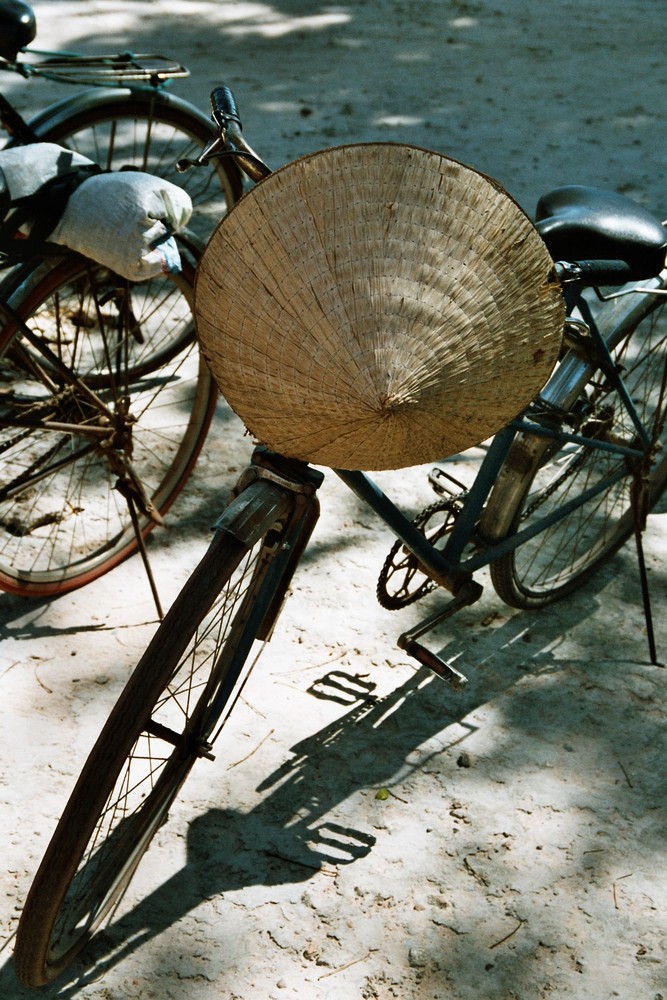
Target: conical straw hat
(375,306)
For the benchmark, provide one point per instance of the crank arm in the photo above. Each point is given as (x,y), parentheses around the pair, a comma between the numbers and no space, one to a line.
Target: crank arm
(468,594)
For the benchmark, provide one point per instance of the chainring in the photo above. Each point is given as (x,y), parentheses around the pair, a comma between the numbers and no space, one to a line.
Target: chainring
(402,579)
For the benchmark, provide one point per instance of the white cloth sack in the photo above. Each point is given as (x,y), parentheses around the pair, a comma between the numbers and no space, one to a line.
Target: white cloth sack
(26,168)
(123,220)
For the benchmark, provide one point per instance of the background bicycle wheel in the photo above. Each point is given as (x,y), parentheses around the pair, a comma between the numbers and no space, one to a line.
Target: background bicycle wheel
(562,725)
(123,128)
(64,517)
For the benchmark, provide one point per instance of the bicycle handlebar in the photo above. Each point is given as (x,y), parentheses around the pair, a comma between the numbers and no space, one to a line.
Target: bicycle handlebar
(591,273)
(223,108)
(229,140)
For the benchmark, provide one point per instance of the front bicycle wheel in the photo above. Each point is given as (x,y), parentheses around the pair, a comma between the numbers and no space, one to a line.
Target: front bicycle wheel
(149,131)
(104,406)
(538,479)
(168,716)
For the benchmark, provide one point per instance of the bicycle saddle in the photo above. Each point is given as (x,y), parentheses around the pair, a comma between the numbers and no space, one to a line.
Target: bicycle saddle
(17,27)
(586,223)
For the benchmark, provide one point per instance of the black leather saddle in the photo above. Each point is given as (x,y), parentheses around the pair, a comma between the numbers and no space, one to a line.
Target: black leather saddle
(586,223)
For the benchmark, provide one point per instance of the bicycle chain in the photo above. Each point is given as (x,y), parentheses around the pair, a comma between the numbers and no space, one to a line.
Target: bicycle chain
(557,483)
(24,477)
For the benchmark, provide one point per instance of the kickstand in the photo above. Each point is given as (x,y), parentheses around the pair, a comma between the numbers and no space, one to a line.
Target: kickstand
(638,509)
(141,543)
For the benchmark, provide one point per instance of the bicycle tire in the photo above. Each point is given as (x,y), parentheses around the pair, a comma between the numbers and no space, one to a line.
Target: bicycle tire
(162,722)
(538,477)
(64,519)
(112,128)
(147,354)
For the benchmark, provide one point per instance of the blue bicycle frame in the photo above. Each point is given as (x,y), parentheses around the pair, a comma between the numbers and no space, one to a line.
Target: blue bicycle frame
(447,566)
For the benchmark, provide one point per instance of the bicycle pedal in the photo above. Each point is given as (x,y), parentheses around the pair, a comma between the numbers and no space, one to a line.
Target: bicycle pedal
(429,659)
(440,481)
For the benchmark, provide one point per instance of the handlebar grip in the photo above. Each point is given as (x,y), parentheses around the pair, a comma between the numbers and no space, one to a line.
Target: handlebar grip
(223,108)
(606,272)
(599,272)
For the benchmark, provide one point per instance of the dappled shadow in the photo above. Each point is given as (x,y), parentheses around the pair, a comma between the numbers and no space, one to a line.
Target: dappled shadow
(229,850)
(294,831)
(429,75)
(555,686)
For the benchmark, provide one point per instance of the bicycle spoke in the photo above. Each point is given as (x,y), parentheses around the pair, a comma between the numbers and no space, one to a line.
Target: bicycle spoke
(115,412)
(560,557)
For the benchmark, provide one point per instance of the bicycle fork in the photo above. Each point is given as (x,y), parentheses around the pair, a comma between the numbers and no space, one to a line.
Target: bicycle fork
(281,508)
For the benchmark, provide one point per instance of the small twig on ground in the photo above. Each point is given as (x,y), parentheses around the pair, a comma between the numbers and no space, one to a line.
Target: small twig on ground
(313,666)
(619,879)
(496,944)
(249,755)
(114,627)
(475,874)
(252,707)
(303,864)
(41,682)
(395,796)
(627,776)
(384,793)
(10,667)
(342,968)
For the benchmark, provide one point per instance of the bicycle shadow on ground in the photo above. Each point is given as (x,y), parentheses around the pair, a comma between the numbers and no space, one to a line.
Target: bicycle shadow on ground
(25,618)
(294,831)
(219,859)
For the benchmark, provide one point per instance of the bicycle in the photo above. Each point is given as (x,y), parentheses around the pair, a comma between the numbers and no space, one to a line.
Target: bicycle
(566,482)
(78,497)
(126,117)
(105,404)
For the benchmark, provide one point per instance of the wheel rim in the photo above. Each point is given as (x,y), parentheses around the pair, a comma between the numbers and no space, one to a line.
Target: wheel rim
(569,551)
(158,759)
(62,516)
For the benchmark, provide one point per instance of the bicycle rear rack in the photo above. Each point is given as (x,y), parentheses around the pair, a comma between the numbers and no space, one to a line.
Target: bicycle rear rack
(124,67)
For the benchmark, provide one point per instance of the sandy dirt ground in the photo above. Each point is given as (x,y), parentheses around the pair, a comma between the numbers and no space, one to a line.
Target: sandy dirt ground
(520,850)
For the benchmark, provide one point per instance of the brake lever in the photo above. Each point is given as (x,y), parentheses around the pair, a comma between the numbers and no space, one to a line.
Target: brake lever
(206,154)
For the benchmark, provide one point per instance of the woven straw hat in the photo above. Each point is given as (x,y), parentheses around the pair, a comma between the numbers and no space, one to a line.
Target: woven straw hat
(375,306)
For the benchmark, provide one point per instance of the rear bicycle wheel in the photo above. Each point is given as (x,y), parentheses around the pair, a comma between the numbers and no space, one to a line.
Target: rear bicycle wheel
(537,479)
(103,397)
(148,131)
(167,717)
